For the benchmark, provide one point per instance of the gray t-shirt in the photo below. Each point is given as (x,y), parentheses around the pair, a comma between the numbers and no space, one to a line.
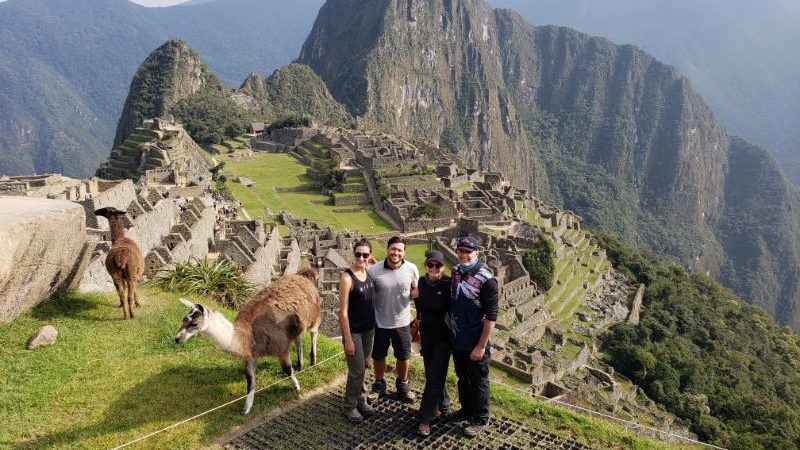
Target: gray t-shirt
(393,293)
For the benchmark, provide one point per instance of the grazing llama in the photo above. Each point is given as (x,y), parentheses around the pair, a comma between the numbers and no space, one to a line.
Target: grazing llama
(124,261)
(267,325)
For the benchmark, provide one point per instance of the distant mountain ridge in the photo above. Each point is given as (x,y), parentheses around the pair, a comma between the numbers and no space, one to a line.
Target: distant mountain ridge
(601,129)
(739,55)
(66,66)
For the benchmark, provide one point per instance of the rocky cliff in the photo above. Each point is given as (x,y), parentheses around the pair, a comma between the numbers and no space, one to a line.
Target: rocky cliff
(605,130)
(169,74)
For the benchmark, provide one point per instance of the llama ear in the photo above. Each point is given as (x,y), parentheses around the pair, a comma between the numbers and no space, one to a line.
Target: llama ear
(187,302)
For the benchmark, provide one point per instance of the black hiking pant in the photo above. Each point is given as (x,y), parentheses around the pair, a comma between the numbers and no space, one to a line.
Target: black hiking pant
(473,384)
(436,358)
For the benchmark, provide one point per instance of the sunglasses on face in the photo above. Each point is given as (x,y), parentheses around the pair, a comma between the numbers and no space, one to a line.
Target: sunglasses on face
(361,255)
(433,265)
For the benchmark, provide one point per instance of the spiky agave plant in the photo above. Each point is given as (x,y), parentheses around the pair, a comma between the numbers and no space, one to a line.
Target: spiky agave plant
(218,280)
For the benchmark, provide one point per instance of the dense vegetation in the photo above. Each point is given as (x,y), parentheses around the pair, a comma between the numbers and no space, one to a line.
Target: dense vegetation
(540,262)
(210,116)
(723,367)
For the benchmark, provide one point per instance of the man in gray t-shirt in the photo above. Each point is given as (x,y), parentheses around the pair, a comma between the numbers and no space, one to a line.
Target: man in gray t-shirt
(395,285)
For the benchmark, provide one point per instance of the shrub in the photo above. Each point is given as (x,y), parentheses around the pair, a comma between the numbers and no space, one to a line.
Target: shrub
(220,281)
(539,262)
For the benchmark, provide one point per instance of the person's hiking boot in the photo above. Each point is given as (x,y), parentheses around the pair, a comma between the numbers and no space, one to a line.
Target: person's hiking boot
(458,416)
(353,415)
(474,428)
(404,392)
(379,387)
(424,429)
(366,410)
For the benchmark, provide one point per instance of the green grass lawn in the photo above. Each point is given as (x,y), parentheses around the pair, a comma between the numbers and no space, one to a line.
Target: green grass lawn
(270,170)
(108,381)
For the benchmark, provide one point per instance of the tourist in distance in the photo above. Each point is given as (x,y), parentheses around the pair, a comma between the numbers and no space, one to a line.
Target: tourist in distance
(473,313)
(357,319)
(433,303)
(395,285)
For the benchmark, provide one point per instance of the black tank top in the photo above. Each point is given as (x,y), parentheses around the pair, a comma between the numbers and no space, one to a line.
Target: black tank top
(360,312)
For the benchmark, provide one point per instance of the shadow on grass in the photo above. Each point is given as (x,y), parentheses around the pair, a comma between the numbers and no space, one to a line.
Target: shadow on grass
(74,304)
(166,398)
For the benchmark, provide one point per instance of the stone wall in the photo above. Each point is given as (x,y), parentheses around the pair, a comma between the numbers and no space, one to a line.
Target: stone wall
(147,231)
(41,242)
(115,194)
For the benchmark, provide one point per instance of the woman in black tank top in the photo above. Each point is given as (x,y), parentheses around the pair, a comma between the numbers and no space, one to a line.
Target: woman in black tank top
(357,319)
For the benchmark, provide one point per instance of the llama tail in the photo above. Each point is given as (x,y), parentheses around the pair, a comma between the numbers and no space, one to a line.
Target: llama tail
(309,273)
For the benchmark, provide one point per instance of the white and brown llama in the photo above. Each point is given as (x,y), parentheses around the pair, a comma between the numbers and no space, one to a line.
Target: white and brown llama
(124,262)
(267,325)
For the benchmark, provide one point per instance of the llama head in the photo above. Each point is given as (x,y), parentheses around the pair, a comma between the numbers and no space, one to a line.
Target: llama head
(108,212)
(194,322)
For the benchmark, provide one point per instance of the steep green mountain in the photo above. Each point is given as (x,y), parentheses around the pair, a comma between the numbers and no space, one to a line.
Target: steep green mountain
(296,90)
(601,129)
(725,368)
(739,55)
(174,80)
(66,66)
(169,74)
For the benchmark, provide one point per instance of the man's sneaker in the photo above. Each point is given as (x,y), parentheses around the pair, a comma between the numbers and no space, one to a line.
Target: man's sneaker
(404,392)
(458,416)
(366,410)
(424,429)
(474,428)
(354,416)
(379,387)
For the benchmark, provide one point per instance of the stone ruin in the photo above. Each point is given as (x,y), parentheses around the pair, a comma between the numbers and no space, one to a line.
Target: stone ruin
(159,150)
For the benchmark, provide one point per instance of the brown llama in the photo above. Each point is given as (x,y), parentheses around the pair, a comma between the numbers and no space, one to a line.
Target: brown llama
(267,325)
(124,262)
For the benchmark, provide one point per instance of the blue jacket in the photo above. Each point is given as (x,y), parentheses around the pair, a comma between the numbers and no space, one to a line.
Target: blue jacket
(474,295)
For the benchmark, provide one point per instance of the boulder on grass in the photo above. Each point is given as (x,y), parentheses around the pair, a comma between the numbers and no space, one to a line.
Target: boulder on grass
(46,335)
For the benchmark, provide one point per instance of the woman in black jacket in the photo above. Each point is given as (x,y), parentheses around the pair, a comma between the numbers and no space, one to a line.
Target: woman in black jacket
(432,304)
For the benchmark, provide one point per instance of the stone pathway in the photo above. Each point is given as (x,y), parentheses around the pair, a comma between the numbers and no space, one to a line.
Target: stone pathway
(318,423)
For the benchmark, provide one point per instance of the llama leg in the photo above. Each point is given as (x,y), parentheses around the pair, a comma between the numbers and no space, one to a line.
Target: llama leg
(250,366)
(135,289)
(286,365)
(298,345)
(119,283)
(131,295)
(314,334)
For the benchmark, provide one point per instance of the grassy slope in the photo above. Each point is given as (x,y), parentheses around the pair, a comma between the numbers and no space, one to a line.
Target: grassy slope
(108,381)
(270,170)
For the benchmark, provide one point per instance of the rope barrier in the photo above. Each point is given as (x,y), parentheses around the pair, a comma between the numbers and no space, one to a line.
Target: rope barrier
(220,406)
(598,413)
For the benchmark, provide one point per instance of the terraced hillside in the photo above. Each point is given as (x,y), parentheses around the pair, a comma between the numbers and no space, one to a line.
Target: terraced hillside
(282,182)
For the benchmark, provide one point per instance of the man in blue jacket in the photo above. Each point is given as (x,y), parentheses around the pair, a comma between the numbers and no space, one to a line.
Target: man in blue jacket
(473,313)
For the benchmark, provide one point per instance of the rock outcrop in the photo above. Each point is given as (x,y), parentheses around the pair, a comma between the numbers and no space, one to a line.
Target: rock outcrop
(41,242)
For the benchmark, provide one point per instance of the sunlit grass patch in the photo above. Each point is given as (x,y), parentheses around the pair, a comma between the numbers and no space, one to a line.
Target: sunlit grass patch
(108,381)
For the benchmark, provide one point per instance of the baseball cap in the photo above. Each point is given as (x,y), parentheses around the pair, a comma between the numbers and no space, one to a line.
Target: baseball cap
(467,243)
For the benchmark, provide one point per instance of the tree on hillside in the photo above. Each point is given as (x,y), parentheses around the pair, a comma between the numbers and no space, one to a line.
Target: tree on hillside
(539,262)
(426,215)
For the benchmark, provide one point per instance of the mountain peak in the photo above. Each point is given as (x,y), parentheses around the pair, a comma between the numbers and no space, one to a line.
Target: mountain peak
(170,73)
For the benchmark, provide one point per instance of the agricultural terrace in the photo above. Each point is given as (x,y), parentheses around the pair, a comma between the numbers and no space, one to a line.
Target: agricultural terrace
(281,183)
